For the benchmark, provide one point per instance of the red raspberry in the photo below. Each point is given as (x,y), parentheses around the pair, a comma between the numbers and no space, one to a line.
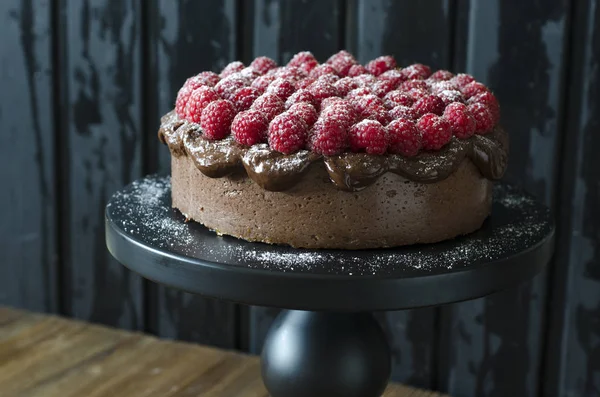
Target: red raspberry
(429,104)
(232,68)
(394,76)
(382,87)
(196,103)
(244,97)
(435,131)
(342,62)
(304,60)
(461,121)
(205,78)
(249,127)
(345,85)
(412,84)
(450,96)
(368,135)
(322,90)
(227,87)
(332,100)
(263,64)
(473,89)
(381,64)
(269,104)
(438,86)
(370,107)
(365,80)
(357,70)
(417,93)
(340,109)
(360,91)
(304,83)
(441,75)
(328,136)
(216,119)
(305,111)
(403,138)
(329,78)
(249,73)
(289,73)
(484,120)
(300,96)
(462,79)
(282,88)
(261,83)
(404,112)
(183,97)
(322,70)
(488,99)
(395,98)
(287,133)
(417,71)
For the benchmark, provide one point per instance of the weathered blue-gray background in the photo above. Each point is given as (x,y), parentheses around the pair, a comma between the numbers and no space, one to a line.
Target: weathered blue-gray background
(82,86)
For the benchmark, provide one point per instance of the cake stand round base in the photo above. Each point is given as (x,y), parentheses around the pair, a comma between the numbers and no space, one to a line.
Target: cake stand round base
(327,343)
(322,354)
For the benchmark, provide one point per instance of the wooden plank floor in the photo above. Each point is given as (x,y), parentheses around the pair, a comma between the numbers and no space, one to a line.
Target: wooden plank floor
(49,356)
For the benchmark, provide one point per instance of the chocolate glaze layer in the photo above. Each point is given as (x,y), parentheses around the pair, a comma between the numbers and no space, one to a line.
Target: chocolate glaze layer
(275,171)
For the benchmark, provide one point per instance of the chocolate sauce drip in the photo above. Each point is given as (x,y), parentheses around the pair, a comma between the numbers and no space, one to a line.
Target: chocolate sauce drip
(349,171)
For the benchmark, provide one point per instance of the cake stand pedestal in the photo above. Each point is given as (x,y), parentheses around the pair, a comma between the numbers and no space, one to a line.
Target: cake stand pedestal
(327,343)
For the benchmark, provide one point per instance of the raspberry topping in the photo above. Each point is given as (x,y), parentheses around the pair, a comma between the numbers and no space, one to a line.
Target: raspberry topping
(269,104)
(414,84)
(304,60)
(429,104)
(438,86)
(249,73)
(304,83)
(381,64)
(262,82)
(360,91)
(435,131)
(216,119)
(488,99)
(370,107)
(196,103)
(462,79)
(321,90)
(301,95)
(282,88)
(365,80)
(403,137)
(340,109)
(395,98)
(328,136)
(484,120)
(357,70)
(382,87)
(461,121)
(394,75)
(405,112)
(322,70)
(417,93)
(450,96)
(441,75)
(473,89)
(329,78)
(206,78)
(369,136)
(345,85)
(244,97)
(263,64)
(229,85)
(182,98)
(342,62)
(287,133)
(417,71)
(232,68)
(249,127)
(289,73)
(305,111)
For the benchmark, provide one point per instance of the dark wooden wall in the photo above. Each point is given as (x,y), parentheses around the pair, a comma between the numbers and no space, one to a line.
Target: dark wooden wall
(84,82)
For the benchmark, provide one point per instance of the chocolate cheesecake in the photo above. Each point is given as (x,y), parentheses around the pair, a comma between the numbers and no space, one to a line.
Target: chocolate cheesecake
(335,155)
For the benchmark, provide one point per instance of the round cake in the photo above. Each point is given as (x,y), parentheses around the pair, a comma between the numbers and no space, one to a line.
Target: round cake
(335,155)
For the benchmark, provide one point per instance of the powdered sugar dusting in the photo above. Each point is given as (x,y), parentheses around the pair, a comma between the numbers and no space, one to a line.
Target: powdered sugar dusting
(143,211)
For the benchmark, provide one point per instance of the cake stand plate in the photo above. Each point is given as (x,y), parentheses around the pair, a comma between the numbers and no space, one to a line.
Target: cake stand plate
(329,344)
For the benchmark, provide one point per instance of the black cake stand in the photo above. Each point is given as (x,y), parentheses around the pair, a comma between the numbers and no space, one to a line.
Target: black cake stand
(327,343)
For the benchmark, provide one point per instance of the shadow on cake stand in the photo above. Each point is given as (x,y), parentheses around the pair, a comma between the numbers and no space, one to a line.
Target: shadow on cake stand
(327,342)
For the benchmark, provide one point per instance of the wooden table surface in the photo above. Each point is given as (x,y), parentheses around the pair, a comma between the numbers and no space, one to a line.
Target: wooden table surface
(49,356)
